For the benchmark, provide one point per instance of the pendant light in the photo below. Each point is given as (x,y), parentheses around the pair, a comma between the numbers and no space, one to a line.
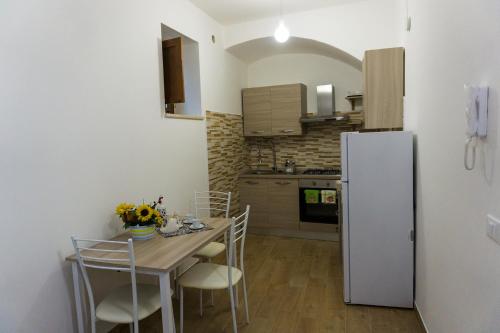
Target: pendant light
(281,34)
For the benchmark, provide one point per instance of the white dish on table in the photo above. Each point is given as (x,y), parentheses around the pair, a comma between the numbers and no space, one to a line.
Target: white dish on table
(198,227)
(188,219)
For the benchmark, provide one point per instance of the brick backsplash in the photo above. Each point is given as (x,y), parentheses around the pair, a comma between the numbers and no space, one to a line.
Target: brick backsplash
(229,153)
(318,148)
(226,154)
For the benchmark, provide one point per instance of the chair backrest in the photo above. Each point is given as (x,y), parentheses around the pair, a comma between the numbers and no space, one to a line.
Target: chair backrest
(210,203)
(237,232)
(106,255)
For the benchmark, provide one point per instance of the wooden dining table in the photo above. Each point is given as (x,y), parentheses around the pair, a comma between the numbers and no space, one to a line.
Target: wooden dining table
(157,256)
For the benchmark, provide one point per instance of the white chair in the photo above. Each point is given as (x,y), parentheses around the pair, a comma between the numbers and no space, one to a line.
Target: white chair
(206,204)
(126,304)
(209,276)
(210,203)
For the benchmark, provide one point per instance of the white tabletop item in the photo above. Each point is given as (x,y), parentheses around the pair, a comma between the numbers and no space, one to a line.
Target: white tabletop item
(198,227)
(196,224)
(170,226)
(188,219)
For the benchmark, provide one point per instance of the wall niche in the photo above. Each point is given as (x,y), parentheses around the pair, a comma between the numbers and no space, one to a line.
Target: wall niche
(181,73)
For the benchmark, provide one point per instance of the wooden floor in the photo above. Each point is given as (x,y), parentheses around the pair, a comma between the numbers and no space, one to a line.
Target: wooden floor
(294,285)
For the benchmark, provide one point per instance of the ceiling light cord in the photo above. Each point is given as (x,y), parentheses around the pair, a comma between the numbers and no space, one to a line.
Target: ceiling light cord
(281,34)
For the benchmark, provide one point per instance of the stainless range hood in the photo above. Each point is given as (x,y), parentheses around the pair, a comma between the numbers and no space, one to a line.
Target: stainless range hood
(325,95)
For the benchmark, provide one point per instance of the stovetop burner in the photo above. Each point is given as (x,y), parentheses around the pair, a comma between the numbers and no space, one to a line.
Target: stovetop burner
(325,171)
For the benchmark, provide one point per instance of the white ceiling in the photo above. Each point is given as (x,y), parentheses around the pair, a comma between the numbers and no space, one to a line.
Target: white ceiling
(236,11)
(266,47)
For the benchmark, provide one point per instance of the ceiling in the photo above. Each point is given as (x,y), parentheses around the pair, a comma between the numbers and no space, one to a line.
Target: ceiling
(266,47)
(235,11)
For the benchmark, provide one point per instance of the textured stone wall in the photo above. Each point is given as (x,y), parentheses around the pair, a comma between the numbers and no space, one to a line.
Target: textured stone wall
(318,148)
(226,154)
(229,153)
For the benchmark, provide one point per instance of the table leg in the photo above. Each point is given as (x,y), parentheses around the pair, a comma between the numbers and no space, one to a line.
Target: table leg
(78,296)
(167,313)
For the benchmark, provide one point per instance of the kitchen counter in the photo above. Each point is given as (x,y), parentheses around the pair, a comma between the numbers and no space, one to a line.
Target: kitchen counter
(281,175)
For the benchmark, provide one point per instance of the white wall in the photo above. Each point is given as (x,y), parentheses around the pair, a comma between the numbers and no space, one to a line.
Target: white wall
(353,27)
(310,69)
(81,130)
(458,267)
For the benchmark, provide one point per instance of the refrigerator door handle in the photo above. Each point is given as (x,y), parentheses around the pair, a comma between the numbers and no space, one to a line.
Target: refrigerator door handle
(411,235)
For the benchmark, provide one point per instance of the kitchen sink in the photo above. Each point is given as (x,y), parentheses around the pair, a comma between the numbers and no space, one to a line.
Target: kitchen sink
(261,172)
(267,172)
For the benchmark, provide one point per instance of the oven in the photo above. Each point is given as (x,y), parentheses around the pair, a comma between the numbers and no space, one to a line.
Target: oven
(318,201)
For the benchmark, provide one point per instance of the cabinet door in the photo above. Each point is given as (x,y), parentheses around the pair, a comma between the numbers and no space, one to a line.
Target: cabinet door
(254,192)
(173,77)
(383,75)
(287,104)
(284,203)
(257,112)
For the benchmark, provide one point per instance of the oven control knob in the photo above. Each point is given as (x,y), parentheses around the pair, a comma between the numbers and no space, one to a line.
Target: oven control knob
(327,184)
(314,183)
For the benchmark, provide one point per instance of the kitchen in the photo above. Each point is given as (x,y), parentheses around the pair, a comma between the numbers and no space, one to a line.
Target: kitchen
(286,156)
(319,139)
(293,166)
(354,141)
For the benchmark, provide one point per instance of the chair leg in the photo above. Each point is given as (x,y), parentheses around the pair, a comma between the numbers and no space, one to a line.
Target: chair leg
(93,320)
(245,299)
(181,319)
(233,309)
(211,291)
(235,256)
(201,302)
(227,247)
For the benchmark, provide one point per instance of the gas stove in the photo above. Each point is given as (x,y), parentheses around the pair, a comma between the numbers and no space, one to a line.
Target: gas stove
(323,171)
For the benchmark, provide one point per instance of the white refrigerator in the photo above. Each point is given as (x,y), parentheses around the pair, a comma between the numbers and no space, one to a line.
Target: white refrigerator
(378,218)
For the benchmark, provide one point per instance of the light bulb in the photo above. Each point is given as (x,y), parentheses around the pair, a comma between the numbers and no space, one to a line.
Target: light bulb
(281,34)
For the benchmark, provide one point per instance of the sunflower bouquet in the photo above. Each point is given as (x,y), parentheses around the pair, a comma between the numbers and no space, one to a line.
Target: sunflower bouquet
(142,215)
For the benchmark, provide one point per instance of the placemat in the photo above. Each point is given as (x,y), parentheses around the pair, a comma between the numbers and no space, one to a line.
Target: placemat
(184,230)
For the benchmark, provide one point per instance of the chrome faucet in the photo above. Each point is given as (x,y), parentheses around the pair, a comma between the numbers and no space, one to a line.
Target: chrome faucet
(259,156)
(273,148)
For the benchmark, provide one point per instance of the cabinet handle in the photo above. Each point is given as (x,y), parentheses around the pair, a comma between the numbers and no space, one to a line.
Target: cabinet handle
(287,131)
(283,183)
(257,132)
(251,182)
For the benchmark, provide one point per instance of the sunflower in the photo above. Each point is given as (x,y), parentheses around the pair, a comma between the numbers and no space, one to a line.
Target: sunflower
(144,213)
(123,208)
(157,217)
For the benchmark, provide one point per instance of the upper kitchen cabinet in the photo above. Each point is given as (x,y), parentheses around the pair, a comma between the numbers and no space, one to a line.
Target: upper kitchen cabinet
(383,76)
(288,105)
(275,110)
(257,112)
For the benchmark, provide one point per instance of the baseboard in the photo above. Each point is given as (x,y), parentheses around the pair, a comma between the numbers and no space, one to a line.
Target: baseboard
(420,319)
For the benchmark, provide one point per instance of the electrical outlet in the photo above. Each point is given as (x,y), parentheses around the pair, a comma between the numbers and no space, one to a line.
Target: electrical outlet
(493,228)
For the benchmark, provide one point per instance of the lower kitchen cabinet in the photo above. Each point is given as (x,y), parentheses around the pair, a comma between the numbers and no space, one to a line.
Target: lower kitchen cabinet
(283,203)
(274,202)
(253,192)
